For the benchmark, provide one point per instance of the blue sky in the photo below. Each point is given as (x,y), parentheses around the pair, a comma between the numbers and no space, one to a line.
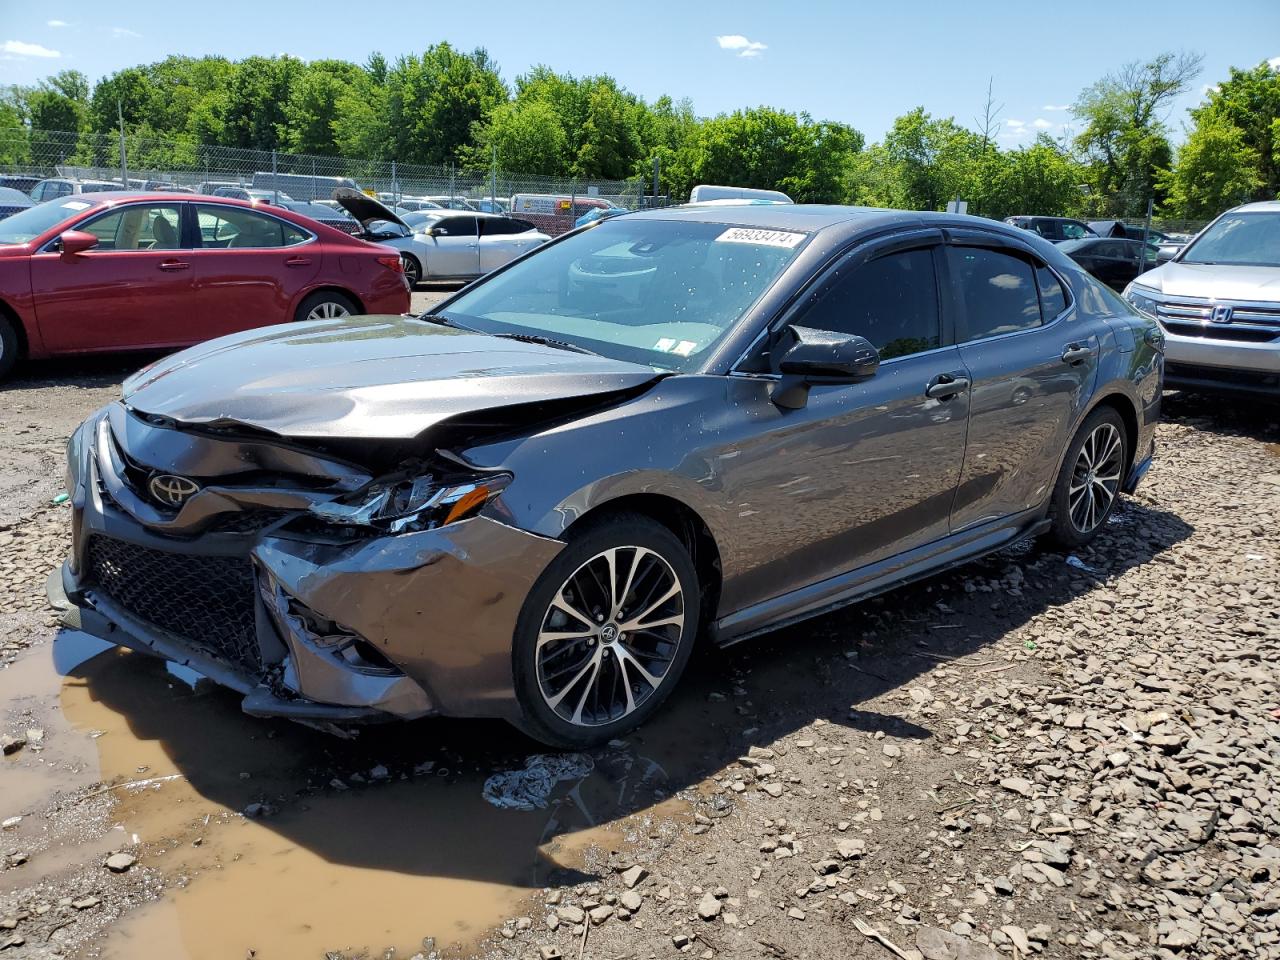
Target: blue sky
(860,63)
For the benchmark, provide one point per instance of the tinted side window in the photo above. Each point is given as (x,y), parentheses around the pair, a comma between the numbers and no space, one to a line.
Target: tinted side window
(892,301)
(457,227)
(1053,299)
(496,226)
(1073,231)
(521,226)
(998,291)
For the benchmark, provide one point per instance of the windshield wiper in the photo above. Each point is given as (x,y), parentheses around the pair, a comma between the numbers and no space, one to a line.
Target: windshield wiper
(546,342)
(441,320)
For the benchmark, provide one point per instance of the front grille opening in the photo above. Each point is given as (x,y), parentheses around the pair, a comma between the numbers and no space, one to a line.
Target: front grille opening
(1235,333)
(206,600)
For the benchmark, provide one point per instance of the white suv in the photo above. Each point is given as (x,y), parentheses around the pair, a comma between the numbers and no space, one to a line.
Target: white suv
(1218,301)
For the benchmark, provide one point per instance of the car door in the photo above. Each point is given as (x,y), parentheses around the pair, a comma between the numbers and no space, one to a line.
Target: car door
(453,248)
(862,471)
(249,271)
(502,239)
(1032,360)
(131,291)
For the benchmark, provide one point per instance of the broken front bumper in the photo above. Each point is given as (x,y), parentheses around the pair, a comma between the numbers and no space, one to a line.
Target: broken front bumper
(305,627)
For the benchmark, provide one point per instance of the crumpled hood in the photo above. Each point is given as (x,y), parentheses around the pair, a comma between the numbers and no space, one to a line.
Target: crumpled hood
(365,377)
(1215,281)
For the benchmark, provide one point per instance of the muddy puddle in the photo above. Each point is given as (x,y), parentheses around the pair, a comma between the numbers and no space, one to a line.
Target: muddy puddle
(383,842)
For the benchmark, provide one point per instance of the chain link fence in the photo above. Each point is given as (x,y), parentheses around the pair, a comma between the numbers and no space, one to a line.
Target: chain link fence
(552,203)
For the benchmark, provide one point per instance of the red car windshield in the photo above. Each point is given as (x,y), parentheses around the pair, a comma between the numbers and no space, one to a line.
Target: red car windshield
(26,226)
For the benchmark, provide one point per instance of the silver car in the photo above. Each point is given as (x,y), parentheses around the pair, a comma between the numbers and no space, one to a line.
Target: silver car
(1218,301)
(443,244)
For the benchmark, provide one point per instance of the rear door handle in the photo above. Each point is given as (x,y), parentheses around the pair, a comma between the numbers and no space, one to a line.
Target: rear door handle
(173,265)
(945,386)
(298,262)
(1075,353)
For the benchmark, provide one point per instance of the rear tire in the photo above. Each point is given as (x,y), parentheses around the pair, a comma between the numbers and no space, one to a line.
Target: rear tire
(325,305)
(1090,481)
(605,633)
(10,347)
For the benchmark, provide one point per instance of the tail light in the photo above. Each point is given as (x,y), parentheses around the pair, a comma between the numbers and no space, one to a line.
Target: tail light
(394,264)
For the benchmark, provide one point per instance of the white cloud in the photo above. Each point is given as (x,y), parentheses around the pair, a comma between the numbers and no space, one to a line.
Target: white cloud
(1016,124)
(1040,123)
(20,48)
(57,23)
(744,47)
(124,32)
(1274,63)
(1055,108)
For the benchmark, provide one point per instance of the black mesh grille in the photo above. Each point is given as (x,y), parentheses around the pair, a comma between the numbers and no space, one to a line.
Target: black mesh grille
(209,601)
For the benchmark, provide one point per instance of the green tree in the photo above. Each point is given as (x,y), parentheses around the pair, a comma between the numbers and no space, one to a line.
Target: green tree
(1216,169)
(312,111)
(254,107)
(921,164)
(434,100)
(1124,137)
(1249,100)
(528,137)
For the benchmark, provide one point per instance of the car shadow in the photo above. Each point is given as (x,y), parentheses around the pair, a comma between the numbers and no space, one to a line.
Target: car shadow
(1252,417)
(430,815)
(83,372)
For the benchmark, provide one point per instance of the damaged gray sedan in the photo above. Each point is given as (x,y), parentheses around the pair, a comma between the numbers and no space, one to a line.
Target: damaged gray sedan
(689,424)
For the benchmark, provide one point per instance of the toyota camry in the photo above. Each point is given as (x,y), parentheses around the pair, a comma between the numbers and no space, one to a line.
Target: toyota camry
(676,427)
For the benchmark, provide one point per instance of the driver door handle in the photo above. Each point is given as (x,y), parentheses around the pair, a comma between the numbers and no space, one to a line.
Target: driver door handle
(945,386)
(1075,353)
(298,262)
(173,265)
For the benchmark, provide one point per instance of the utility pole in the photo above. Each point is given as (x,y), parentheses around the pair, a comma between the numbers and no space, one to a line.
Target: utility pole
(124,163)
(657,169)
(493,179)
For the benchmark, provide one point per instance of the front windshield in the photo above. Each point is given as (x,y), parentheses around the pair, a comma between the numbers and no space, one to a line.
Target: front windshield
(1238,239)
(30,223)
(657,292)
(419,221)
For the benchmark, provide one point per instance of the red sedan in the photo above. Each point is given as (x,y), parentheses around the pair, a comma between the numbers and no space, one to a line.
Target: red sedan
(98,272)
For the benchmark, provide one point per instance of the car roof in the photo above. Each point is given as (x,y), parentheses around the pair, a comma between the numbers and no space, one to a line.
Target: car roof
(787,216)
(1261,206)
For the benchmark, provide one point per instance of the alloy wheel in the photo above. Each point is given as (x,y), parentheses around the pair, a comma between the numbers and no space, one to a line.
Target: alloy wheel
(328,310)
(1095,478)
(412,272)
(609,636)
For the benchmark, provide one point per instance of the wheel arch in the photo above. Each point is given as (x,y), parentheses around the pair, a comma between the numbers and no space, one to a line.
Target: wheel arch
(685,523)
(1128,411)
(19,329)
(330,288)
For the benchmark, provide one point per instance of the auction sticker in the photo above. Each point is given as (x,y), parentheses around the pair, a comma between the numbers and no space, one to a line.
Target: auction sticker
(761,238)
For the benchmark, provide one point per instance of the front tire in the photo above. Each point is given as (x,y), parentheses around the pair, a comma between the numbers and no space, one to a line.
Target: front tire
(1090,481)
(605,633)
(325,305)
(412,269)
(9,347)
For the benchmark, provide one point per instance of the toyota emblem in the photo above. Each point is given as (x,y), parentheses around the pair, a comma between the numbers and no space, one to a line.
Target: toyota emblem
(172,491)
(1220,314)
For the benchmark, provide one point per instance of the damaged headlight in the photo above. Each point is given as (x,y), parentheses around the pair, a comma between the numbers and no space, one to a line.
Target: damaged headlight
(399,505)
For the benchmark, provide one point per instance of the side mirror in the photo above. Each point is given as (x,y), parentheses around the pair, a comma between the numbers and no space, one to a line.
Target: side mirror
(822,356)
(434,232)
(74,242)
(1164,256)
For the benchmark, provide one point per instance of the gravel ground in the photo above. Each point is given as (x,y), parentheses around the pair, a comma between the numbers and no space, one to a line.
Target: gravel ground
(1071,756)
